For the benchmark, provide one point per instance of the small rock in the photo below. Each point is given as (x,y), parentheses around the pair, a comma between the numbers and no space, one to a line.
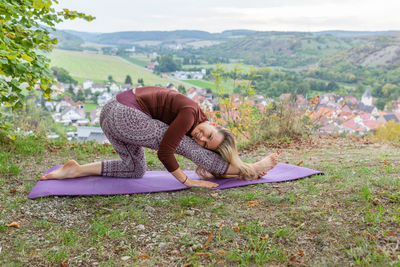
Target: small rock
(55,248)
(149,208)
(190,212)
(125,258)
(140,227)
(162,245)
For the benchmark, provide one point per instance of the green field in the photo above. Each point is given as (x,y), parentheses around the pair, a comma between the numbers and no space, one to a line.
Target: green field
(227,67)
(83,66)
(226,86)
(90,107)
(138,60)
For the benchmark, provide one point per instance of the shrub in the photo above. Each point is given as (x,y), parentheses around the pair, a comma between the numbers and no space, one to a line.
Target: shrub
(389,132)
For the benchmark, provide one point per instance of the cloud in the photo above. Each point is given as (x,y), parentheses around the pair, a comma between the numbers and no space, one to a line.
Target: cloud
(216,16)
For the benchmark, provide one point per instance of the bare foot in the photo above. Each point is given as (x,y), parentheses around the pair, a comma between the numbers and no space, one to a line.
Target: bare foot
(266,164)
(69,170)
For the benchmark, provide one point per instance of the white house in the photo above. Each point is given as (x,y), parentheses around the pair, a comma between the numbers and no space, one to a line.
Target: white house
(70,115)
(91,133)
(114,88)
(98,87)
(103,98)
(66,102)
(87,84)
(366,98)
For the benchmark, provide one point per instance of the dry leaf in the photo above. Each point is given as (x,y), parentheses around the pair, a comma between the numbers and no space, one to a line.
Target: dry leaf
(210,236)
(64,264)
(298,164)
(142,256)
(13,224)
(12,191)
(236,228)
(370,236)
(118,250)
(203,233)
(300,252)
(222,252)
(385,162)
(199,254)
(252,203)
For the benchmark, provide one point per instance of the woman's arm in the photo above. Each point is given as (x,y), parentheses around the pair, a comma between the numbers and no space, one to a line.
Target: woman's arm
(182,177)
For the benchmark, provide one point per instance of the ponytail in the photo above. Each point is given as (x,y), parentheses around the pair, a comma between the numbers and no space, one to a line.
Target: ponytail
(228,151)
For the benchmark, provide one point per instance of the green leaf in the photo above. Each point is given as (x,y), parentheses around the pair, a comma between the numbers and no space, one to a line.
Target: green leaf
(26,57)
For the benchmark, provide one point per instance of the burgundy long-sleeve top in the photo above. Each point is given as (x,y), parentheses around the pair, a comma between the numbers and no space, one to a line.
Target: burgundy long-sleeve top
(181,113)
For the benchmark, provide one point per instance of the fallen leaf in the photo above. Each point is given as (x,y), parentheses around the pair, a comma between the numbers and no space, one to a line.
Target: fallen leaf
(264,237)
(13,224)
(252,203)
(199,254)
(203,233)
(12,191)
(222,252)
(210,236)
(300,252)
(64,264)
(236,228)
(375,201)
(370,236)
(142,256)
(298,164)
(384,162)
(292,259)
(118,250)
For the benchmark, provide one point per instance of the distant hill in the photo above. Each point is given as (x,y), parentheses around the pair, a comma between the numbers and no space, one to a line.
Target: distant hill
(286,49)
(355,33)
(130,37)
(381,50)
(67,40)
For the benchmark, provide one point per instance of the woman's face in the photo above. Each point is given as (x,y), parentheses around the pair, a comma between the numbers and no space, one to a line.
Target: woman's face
(207,136)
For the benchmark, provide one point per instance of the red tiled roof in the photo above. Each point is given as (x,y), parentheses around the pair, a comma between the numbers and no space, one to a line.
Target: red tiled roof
(371,124)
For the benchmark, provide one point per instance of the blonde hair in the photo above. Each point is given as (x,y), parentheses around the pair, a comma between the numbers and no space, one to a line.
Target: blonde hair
(228,151)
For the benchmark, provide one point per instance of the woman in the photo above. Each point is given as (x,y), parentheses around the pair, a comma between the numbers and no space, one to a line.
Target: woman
(164,120)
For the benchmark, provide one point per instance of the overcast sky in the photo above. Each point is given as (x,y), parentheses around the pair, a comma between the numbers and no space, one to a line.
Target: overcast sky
(220,15)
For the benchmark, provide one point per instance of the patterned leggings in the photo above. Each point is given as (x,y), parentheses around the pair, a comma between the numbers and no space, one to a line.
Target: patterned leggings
(129,130)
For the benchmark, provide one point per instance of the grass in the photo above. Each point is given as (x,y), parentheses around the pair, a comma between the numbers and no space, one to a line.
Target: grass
(142,61)
(83,66)
(227,86)
(90,107)
(349,216)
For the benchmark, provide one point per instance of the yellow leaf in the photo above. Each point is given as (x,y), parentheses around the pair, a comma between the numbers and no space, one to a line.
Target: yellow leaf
(26,57)
(252,203)
(13,224)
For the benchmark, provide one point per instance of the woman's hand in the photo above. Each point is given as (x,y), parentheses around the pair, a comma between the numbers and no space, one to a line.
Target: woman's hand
(200,183)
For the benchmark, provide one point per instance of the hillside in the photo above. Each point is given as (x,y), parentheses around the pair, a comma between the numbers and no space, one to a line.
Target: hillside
(292,49)
(98,67)
(372,51)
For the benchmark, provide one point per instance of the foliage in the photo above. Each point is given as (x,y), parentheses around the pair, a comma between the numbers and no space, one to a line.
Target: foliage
(22,41)
(62,75)
(128,80)
(167,64)
(389,132)
(252,123)
(34,119)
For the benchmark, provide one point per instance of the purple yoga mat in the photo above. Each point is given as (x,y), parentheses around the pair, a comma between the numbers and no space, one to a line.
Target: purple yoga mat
(153,181)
